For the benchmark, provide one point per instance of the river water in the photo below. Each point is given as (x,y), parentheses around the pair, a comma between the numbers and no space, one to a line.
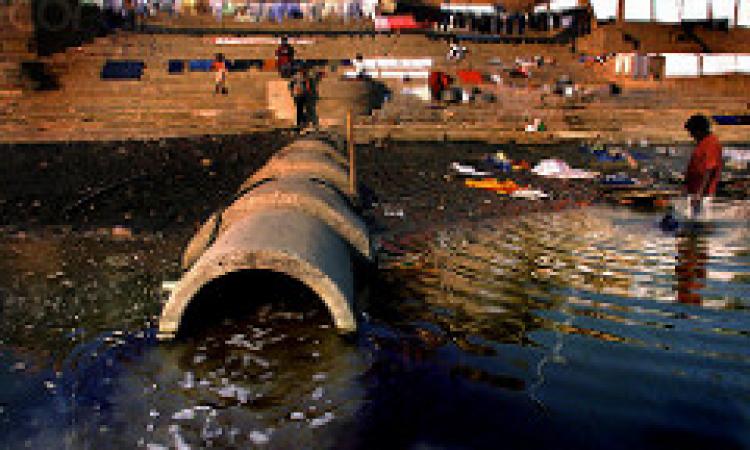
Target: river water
(586,328)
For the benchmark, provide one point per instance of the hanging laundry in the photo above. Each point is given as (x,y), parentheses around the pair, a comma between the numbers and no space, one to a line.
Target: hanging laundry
(176,66)
(200,65)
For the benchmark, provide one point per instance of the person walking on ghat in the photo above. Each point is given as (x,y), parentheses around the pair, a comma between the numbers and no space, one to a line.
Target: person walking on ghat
(703,172)
(312,79)
(298,88)
(285,58)
(220,67)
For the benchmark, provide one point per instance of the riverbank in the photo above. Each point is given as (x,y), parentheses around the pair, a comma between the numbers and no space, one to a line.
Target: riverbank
(169,184)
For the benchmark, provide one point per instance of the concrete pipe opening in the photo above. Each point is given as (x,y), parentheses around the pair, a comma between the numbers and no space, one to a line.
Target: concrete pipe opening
(280,240)
(251,295)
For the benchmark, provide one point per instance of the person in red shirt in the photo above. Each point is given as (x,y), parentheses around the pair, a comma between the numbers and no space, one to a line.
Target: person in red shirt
(704,169)
(438,82)
(220,67)
(285,58)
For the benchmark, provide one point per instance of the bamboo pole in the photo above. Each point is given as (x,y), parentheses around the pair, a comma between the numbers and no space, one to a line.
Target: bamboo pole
(352,155)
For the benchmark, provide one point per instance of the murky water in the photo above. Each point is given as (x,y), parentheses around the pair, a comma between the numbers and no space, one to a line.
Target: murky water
(588,328)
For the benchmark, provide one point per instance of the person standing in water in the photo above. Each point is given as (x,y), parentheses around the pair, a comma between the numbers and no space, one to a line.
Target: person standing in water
(703,172)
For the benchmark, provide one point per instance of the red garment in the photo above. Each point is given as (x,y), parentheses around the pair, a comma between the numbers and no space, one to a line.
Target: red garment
(218,65)
(470,76)
(436,82)
(705,157)
(284,54)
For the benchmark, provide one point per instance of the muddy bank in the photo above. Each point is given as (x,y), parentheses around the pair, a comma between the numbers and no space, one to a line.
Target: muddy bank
(172,184)
(158,185)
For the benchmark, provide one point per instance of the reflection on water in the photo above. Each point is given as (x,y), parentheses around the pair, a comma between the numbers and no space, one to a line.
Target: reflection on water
(587,328)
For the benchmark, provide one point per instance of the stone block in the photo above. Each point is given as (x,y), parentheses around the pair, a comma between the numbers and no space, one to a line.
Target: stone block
(280,100)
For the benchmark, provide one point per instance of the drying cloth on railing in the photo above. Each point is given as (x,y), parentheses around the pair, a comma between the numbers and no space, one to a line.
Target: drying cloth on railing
(122,70)
(470,76)
(200,65)
(732,120)
(176,66)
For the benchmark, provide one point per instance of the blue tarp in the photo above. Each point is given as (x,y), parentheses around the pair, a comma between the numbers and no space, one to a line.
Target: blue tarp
(200,65)
(732,120)
(176,66)
(122,70)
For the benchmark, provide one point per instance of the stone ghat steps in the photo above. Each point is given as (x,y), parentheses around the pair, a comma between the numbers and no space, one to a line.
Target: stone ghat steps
(735,40)
(652,37)
(208,22)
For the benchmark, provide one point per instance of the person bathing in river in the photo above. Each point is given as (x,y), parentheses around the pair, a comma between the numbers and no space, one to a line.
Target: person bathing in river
(703,172)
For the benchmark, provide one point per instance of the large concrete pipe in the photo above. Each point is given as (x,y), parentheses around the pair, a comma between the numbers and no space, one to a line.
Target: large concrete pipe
(291,218)
(313,146)
(314,198)
(309,159)
(283,240)
(310,165)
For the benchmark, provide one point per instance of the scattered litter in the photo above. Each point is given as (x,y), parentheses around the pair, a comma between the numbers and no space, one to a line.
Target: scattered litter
(297,415)
(185,414)
(392,211)
(319,376)
(500,161)
(555,168)
(618,180)
(152,446)
(318,393)
(322,420)
(530,194)
(468,170)
(492,184)
(258,438)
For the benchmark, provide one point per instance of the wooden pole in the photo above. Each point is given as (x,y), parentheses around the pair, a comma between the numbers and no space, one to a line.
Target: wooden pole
(352,155)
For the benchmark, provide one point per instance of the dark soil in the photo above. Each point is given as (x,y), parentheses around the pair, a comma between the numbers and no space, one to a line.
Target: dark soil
(174,184)
(155,185)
